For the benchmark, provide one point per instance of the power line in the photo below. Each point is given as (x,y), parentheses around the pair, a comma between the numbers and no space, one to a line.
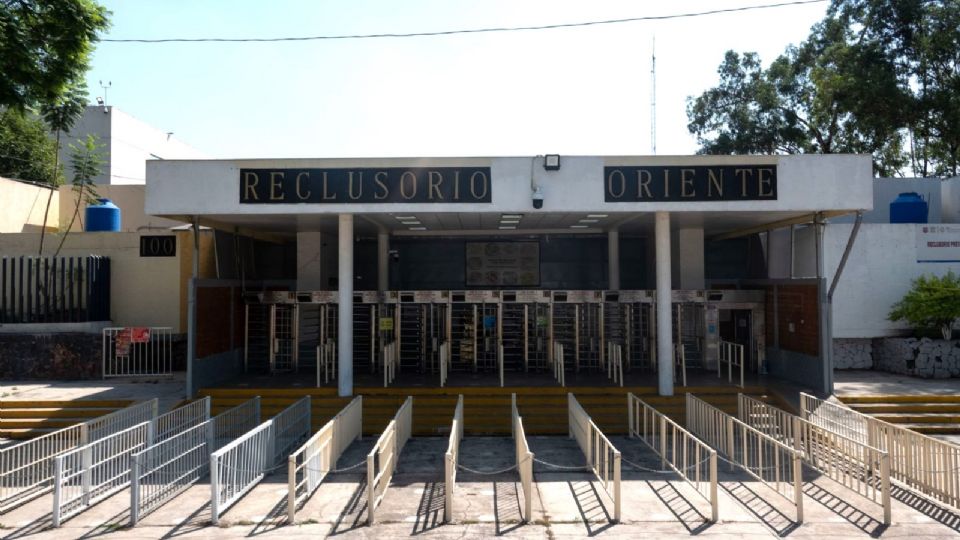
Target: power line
(466,30)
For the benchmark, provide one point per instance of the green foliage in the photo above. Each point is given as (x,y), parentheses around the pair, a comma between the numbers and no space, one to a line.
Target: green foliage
(62,113)
(931,303)
(45,48)
(87,160)
(26,152)
(875,76)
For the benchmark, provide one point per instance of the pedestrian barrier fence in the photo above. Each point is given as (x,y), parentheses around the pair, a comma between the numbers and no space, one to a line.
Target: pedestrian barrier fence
(137,351)
(166,468)
(309,465)
(856,466)
(731,354)
(678,449)
(614,362)
(240,465)
(390,363)
(382,459)
(182,418)
(926,466)
(559,365)
(27,468)
(445,362)
(602,457)
(86,475)
(524,458)
(327,361)
(452,459)
(759,455)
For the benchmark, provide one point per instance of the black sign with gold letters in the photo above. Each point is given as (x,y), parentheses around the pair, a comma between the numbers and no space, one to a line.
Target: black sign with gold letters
(657,183)
(366,185)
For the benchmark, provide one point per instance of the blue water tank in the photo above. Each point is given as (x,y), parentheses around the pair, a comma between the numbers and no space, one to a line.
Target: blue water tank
(908,208)
(104,216)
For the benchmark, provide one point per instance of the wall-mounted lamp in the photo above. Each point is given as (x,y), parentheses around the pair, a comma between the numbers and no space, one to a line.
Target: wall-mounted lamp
(551,162)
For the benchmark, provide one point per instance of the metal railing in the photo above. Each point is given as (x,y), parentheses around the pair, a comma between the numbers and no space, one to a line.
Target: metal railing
(382,459)
(852,464)
(54,289)
(240,465)
(680,361)
(309,465)
(614,362)
(557,363)
(165,469)
(327,361)
(27,468)
(926,466)
(678,449)
(758,454)
(88,474)
(731,354)
(602,457)
(390,363)
(523,458)
(452,459)
(182,418)
(137,351)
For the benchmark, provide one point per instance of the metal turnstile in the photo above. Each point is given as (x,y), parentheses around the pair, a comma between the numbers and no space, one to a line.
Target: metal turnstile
(476,323)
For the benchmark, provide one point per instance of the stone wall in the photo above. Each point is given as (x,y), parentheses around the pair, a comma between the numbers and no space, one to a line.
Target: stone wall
(66,356)
(852,353)
(925,357)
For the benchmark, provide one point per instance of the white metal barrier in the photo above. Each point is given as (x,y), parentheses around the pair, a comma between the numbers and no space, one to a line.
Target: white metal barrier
(446,364)
(86,475)
(500,362)
(523,458)
(390,363)
(858,467)
(382,459)
(678,449)
(759,455)
(309,465)
(680,361)
(602,457)
(732,355)
(27,468)
(926,466)
(614,362)
(182,418)
(558,364)
(137,351)
(327,361)
(452,459)
(237,467)
(165,469)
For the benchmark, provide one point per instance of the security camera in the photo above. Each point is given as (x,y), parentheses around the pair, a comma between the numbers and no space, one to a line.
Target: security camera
(537,198)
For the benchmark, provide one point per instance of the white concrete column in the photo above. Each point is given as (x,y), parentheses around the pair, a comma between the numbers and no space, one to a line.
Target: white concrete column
(345,318)
(664,305)
(613,259)
(309,257)
(383,260)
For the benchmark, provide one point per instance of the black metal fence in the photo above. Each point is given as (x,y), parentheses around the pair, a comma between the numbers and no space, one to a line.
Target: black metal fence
(54,289)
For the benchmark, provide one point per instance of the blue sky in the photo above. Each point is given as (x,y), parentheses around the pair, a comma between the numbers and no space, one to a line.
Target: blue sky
(569,91)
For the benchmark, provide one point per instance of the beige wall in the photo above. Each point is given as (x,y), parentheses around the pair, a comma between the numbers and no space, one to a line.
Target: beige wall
(144,291)
(22,206)
(129,198)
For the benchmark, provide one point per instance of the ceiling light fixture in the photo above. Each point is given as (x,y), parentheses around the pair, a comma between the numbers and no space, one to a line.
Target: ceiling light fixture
(401,218)
(579,226)
(511,216)
(589,220)
(507,228)
(418,228)
(596,215)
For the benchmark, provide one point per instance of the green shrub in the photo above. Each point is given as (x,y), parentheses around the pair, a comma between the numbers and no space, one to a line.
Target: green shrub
(932,303)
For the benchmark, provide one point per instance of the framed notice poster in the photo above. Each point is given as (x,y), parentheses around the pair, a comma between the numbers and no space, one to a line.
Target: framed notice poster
(938,243)
(503,264)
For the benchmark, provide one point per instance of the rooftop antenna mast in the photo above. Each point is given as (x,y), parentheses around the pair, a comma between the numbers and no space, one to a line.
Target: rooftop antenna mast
(653,97)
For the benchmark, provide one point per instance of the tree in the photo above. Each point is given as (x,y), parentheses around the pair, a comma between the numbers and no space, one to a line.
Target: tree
(87,161)
(60,116)
(26,152)
(931,303)
(875,76)
(45,48)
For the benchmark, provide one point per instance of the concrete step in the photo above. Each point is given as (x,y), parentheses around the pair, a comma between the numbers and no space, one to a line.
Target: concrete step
(915,418)
(60,412)
(878,408)
(913,398)
(952,428)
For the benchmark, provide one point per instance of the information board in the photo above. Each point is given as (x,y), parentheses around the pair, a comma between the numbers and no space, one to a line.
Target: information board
(505,264)
(938,243)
